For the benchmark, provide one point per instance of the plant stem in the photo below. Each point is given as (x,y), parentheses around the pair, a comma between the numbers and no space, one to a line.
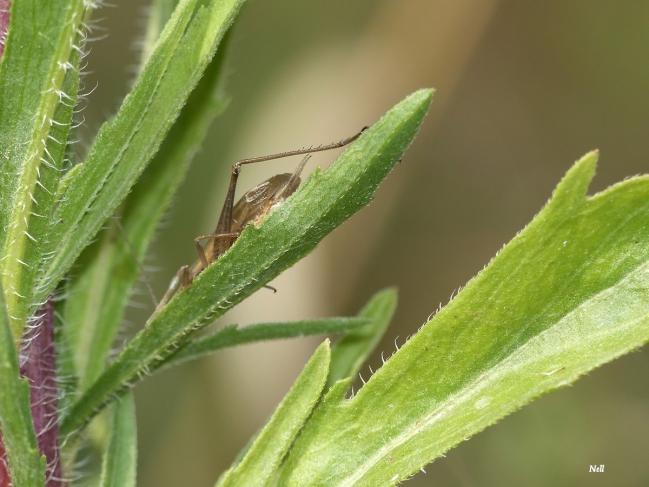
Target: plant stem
(38,365)
(5,6)
(5,479)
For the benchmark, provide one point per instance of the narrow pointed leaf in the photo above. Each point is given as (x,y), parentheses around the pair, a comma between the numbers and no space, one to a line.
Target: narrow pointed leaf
(159,14)
(146,205)
(86,308)
(32,72)
(232,335)
(115,136)
(567,294)
(111,143)
(26,466)
(44,195)
(100,289)
(349,354)
(289,233)
(65,180)
(119,465)
(263,458)
(125,145)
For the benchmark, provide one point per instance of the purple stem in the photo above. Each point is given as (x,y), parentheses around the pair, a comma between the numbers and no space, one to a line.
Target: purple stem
(38,364)
(5,5)
(5,479)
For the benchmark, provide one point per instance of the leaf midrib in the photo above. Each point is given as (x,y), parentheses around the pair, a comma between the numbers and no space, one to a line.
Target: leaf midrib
(568,283)
(482,381)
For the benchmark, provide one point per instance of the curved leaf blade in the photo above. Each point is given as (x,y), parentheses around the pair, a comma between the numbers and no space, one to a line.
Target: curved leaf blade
(232,335)
(567,294)
(139,215)
(112,141)
(349,354)
(119,465)
(289,233)
(32,72)
(125,145)
(262,460)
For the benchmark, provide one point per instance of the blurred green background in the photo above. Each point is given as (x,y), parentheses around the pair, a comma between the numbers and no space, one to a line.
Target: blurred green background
(524,88)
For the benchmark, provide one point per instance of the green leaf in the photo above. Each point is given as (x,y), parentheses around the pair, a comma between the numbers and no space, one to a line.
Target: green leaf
(349,354)
(64,182)
(567,294)
(125,145)
(66,372)
(119,465)
(160,12)
(45,194)
(85,309)
(32,73)
(112,142)
(96,308)
(26,465)
(289,233)
(143,209)
(263,458)
(232,335)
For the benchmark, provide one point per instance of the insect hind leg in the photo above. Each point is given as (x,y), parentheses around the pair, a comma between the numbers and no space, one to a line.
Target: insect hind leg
(180,281)
(214,236)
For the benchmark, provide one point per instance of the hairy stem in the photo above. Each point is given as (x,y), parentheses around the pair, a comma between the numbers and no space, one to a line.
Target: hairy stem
(39,366)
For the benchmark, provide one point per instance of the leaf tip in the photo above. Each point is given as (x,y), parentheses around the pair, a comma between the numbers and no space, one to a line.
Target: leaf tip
(323,352)
(574,185)
(338,391)
(388,294)
(423,96)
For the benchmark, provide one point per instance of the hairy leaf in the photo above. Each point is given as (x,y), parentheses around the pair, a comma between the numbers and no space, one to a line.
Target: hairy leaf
(567,294)
(289,233)
(349,354)
(263,458)
(39,44)
(232,335)
(125,145)
(138,217)
(120,459)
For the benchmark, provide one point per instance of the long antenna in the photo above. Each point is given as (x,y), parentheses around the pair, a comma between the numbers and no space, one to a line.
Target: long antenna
(320,148)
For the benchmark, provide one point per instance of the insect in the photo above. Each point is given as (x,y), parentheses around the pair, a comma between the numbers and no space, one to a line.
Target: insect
(251,209)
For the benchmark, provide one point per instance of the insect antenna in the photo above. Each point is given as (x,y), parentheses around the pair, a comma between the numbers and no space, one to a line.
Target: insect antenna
(335,145)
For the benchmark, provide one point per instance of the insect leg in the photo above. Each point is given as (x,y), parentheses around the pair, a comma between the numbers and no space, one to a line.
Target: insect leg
(225,220)
(201,251)
(179,281)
